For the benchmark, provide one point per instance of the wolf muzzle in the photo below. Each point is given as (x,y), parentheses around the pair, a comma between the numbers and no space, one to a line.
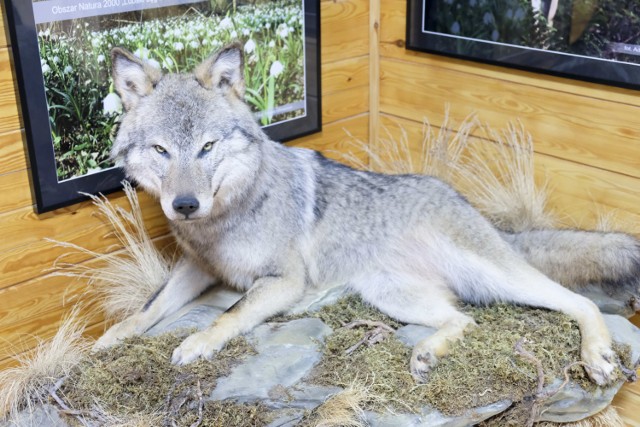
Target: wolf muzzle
(185,205)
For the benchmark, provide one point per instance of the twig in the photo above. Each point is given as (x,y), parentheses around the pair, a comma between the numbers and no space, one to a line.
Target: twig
(533,413)
(200,406)
(381,331)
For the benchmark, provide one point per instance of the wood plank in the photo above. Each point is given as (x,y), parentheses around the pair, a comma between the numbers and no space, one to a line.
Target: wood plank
(29,261)
(12,152)
(344,104)
(15,191)
(374,77)
(24,226)
(9,107)
(596,133)
(344,29)
(27,310)
(4,27)
(345,74)
(578,194)
(392,45)
(335,138)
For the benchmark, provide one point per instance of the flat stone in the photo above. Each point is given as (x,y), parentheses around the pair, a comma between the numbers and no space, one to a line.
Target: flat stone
(432,418)
(410,335)
(287,354)
(38,416)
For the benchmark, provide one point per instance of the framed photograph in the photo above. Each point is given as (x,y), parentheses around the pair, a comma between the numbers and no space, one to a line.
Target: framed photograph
(593,40)
(71,112)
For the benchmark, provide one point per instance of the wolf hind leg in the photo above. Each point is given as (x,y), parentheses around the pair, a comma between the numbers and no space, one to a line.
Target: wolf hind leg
(420,301)
(528,286)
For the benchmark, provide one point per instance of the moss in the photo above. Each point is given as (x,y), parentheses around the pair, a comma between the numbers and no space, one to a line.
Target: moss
(482,368)
(137,376)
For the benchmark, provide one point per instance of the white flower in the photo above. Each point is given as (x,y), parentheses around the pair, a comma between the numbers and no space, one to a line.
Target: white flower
(67,69)
(455,28)
(194,44)
(226,23)
(178,46)
(153,63)
(246,32)
(250,46)
(45,68)
(142,53)
(111,104)
(100,59)
(282,31)
(276,69)
(56,59)
(234,34)
(167,63)
(272,43)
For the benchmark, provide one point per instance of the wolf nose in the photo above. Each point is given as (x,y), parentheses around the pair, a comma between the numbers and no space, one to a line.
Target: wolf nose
(185,205)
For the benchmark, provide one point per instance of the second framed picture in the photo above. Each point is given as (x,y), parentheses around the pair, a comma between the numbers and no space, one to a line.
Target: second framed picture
(71,111)
(593,40)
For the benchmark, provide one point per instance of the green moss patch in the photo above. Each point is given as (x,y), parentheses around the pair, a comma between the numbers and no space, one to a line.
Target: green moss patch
(481,369)
(137,377)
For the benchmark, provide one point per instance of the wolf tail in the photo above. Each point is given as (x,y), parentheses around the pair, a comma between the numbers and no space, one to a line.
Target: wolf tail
(577,258)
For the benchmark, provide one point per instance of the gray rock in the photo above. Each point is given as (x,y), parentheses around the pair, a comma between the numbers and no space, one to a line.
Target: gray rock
(287,353)
(623,331)
(410,335)
(432,418)
(38,416)
(612,301)
(573,403)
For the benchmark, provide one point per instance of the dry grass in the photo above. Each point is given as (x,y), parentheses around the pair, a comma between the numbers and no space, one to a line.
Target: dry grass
(36,377)
(495,171)
(129,276)
(344,409)
(439,151)
(608,417)
(499,179)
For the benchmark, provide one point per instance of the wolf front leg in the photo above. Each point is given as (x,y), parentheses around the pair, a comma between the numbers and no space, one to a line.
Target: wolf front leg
(186,282)
(268,296)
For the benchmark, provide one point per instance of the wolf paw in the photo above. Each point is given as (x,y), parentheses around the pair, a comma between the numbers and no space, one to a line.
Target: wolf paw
(600,365)
(193,347)
(421,364)
(125,329)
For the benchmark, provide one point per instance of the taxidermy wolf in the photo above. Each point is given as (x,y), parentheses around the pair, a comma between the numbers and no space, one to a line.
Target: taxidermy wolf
(273,221)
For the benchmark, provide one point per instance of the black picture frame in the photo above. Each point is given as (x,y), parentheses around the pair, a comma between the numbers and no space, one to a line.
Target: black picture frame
(421,35)
(48,191)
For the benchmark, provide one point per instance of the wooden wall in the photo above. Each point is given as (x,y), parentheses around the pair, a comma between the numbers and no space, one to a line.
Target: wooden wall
(586,136)
(32,299)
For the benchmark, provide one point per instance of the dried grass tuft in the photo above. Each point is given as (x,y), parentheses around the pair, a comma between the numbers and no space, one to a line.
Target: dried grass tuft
(128,277)
(36,378)
(495,171)
(343,409)
(499,179)
(440,152)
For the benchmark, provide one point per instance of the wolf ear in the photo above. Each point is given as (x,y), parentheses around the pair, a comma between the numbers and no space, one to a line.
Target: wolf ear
(133,78)
(224,70)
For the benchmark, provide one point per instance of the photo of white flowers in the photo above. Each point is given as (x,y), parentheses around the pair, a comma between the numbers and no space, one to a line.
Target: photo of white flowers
(83,107)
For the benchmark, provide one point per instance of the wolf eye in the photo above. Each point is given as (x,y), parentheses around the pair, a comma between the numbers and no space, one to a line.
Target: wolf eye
(160,149)
(208,146)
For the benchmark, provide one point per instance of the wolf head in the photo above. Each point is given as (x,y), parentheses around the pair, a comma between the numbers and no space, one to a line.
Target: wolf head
(189,139)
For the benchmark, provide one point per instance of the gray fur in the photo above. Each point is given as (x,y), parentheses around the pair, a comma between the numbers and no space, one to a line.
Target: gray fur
(274,220)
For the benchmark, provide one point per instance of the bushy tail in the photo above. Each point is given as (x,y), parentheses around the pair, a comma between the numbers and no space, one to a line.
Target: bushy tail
(580,258)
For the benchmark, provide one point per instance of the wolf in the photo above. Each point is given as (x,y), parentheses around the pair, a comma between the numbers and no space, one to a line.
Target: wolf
(274,221)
